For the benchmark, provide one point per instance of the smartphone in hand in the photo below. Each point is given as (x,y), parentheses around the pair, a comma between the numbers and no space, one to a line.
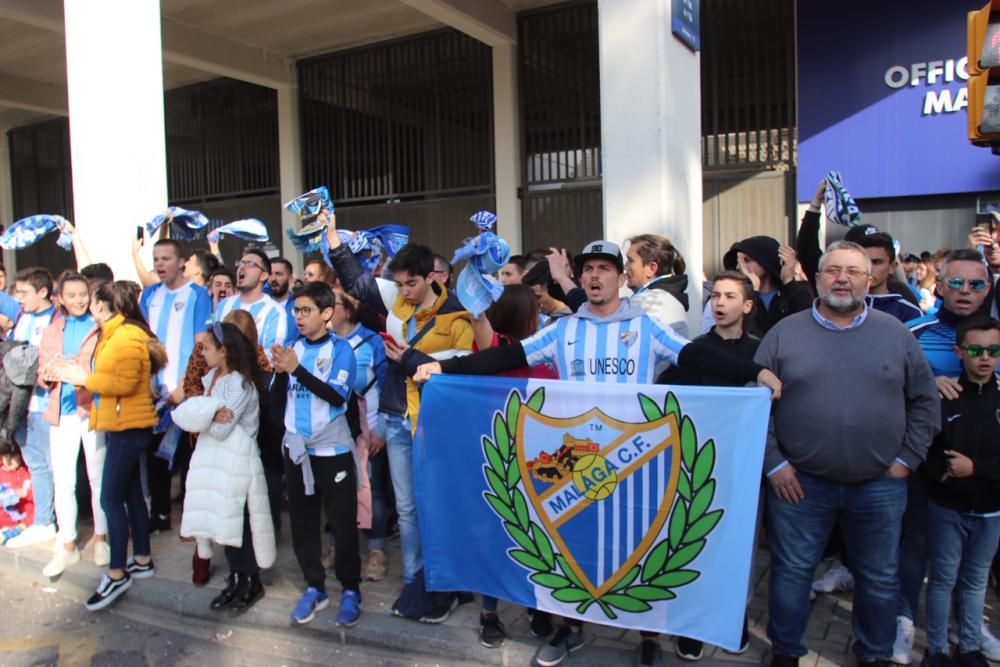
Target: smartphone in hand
(387,337)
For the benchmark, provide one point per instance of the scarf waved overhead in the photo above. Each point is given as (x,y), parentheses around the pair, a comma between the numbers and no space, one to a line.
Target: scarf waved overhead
(26,232)
(311,235)
(838,204)
(484,254)
(186,224)
(250,229)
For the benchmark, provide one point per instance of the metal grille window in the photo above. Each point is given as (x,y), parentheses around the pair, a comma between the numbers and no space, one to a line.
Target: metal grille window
(561,121)
(748,83)
(405,119)
(40,169)
(222,140)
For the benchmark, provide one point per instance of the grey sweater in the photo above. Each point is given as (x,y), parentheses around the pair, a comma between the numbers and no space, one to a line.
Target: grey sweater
(852,401)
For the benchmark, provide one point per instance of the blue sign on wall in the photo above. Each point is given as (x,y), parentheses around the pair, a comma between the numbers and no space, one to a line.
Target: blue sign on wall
(686,22)
(882,99)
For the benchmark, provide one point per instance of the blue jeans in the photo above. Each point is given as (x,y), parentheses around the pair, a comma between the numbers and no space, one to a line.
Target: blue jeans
(869,514)
(33,438)
(961,549)
(913,549)
(121,494)
(399,445)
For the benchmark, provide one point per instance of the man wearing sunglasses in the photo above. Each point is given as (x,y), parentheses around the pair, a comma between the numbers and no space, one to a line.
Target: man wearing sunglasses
(963,285)
(252,274)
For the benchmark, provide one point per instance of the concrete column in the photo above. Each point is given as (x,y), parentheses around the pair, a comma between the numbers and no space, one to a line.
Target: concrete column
(290,166)
(507,145)
(7,202)
(651,131)
(114,72)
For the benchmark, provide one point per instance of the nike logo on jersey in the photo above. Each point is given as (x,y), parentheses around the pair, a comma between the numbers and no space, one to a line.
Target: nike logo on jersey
(953,417)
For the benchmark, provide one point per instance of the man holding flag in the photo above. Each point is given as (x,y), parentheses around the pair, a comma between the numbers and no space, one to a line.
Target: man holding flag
(591,338)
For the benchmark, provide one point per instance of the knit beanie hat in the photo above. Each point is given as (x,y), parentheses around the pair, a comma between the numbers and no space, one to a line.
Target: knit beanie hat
(763,249)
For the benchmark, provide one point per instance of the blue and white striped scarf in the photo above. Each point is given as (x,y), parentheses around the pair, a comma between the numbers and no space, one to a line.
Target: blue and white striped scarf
(186,224)
(484,254)
(838,204)
(249,229)
(26,232)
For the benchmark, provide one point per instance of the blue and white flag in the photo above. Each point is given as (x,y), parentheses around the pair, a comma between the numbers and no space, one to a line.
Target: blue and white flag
(250,229)
(621,504)
(26,232)
(186,224)
(484,255)
(839,206)
(309,204)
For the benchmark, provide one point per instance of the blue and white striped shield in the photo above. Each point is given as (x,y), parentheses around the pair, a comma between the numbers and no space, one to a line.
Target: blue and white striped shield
(593,476)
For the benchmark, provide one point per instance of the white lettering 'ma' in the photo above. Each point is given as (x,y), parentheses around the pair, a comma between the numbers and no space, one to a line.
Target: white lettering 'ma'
(941,101)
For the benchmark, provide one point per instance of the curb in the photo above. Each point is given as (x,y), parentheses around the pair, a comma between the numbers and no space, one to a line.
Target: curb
(159,596)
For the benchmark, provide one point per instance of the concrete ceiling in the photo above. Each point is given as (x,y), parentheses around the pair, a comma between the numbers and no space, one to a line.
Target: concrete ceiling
(205,39)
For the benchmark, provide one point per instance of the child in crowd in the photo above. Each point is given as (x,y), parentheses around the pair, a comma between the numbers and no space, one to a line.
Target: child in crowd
(962,473)
(320,454)
(15,493)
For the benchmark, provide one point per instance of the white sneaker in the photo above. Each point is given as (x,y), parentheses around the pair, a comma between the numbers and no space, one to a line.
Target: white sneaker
(102,553)
(989,645)
(60,561)
(902,648)
(837,578)
(33,534)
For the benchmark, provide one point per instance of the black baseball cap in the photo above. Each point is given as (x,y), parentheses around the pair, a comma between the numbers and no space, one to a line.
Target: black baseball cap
(599,249)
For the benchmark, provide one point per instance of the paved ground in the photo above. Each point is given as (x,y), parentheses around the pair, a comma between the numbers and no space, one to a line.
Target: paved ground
(170,601)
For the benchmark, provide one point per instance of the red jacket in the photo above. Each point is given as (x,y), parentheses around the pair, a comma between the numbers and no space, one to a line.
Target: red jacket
(51,348)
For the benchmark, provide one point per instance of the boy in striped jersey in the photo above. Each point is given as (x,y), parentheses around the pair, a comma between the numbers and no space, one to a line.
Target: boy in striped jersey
(176,309)
(320,455)
(608,340)
(252,274)
(33,289)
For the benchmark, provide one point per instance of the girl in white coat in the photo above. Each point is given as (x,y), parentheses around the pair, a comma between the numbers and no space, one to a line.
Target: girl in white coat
(234,379)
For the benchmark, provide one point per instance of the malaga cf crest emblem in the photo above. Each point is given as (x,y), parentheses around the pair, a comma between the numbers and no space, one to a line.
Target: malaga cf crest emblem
(599,510)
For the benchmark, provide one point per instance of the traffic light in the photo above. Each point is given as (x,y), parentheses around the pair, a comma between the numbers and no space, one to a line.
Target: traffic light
(984,75)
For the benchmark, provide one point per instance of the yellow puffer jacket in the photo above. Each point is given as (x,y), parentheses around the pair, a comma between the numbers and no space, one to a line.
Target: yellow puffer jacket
(121,379)
(450,336)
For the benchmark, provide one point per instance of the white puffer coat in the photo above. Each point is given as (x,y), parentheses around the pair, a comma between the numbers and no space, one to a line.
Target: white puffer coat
(225,476)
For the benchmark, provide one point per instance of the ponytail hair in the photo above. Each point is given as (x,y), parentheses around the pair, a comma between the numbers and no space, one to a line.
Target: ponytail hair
(659,249)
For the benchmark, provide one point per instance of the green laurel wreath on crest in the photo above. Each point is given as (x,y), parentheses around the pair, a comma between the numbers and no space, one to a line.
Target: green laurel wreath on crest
(661,572)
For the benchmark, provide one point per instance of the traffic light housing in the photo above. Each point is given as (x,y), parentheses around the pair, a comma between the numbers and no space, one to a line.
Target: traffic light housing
(984,75)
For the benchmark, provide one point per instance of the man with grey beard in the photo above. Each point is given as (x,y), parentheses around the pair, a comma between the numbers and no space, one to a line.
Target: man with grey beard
(859,410)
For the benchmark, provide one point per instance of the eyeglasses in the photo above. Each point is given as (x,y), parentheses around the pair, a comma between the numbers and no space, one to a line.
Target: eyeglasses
(973,351)
(852,272)
(246,263)
(304,311)
(975,284)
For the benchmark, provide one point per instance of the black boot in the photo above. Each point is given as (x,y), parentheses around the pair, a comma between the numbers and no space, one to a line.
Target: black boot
(229,593)
(249,592)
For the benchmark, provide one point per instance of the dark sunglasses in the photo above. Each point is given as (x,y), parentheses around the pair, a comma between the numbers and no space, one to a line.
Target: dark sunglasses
(974,351)
(975,284)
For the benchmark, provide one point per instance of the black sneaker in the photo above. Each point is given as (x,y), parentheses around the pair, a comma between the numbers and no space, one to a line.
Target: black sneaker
(690,649)
(541,623)
(139,570)
(970,659)
(159,523)
(108,591)
(491,634)
(441,611)
(779,660)
(228,594)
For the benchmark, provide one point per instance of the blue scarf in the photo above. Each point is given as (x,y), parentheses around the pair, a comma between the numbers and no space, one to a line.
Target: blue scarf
(186,224)
(26,232)
(250,229)
(838,204)
(484,254)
